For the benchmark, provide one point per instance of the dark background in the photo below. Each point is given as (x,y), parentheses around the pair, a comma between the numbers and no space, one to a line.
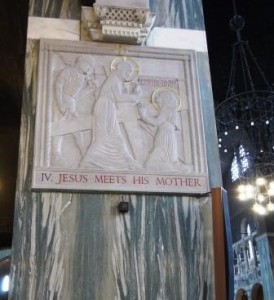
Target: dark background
(259,30)
(13,21)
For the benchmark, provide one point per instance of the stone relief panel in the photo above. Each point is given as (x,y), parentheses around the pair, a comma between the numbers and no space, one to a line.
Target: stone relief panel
(118,118)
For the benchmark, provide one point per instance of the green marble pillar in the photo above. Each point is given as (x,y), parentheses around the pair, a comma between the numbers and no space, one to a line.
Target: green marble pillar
(77,245)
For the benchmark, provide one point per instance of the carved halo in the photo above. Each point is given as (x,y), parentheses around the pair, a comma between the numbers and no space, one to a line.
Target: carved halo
(134,65)
(160,90)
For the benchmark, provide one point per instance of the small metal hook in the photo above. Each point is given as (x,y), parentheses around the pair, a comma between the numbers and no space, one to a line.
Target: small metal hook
(123,206)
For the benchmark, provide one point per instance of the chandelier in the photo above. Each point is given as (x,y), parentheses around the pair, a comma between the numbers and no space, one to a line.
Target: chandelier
(258,185)
(245,125)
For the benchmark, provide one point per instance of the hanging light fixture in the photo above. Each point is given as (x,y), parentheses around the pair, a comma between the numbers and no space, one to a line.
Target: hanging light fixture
(258,186)
(248,110)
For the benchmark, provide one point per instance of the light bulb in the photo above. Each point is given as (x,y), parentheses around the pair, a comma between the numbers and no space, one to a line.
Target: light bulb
(236,127)
(5,284)
(270,206)
(252,123)
(250,195)
(270,192)
(250,191)
(267,122)
(241,188)
(260,197)
(260,181)
(271,185)
(258,208)
(250,187)
(242,197)
(225,133)
(220,139)
(220,146)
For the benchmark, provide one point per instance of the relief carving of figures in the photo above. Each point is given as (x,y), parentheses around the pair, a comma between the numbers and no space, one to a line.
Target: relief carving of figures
(163,115)
(111,123)
(122,118)
(108,149)
(69,107)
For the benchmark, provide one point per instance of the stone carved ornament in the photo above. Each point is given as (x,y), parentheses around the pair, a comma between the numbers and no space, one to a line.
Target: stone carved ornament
(109,23)
(107,145)
(120,115)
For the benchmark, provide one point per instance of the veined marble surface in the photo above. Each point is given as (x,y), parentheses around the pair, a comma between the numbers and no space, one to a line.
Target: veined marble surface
(4,253)
(178,39)
(186,14)
(69,9)
(53,28)
(77,246)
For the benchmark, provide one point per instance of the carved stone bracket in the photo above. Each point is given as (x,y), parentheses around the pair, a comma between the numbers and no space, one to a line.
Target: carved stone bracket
(116,24)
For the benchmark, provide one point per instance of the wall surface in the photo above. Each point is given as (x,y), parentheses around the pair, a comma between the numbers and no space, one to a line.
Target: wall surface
(77,245)
(265,246)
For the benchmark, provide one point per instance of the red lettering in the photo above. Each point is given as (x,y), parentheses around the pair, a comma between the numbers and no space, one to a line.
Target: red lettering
(190,182)
(183,181)
(99,179)
(140,180)
(168,181)
(65,177)
(109,179)
(46,176)
(196,181)
(177,181)
(121,179)
(70,178)
(160,181)
(157,82)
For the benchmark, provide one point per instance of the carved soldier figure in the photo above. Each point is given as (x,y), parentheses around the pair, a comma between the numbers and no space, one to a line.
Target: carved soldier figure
(69,82)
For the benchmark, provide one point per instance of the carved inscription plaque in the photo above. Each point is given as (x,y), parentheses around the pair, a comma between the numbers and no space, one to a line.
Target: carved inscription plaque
(118,118)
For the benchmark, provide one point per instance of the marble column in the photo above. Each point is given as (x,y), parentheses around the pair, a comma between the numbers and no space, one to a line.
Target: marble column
(77,245)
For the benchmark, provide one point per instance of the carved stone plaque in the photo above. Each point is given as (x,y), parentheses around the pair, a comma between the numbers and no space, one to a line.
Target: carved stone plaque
(118,118)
